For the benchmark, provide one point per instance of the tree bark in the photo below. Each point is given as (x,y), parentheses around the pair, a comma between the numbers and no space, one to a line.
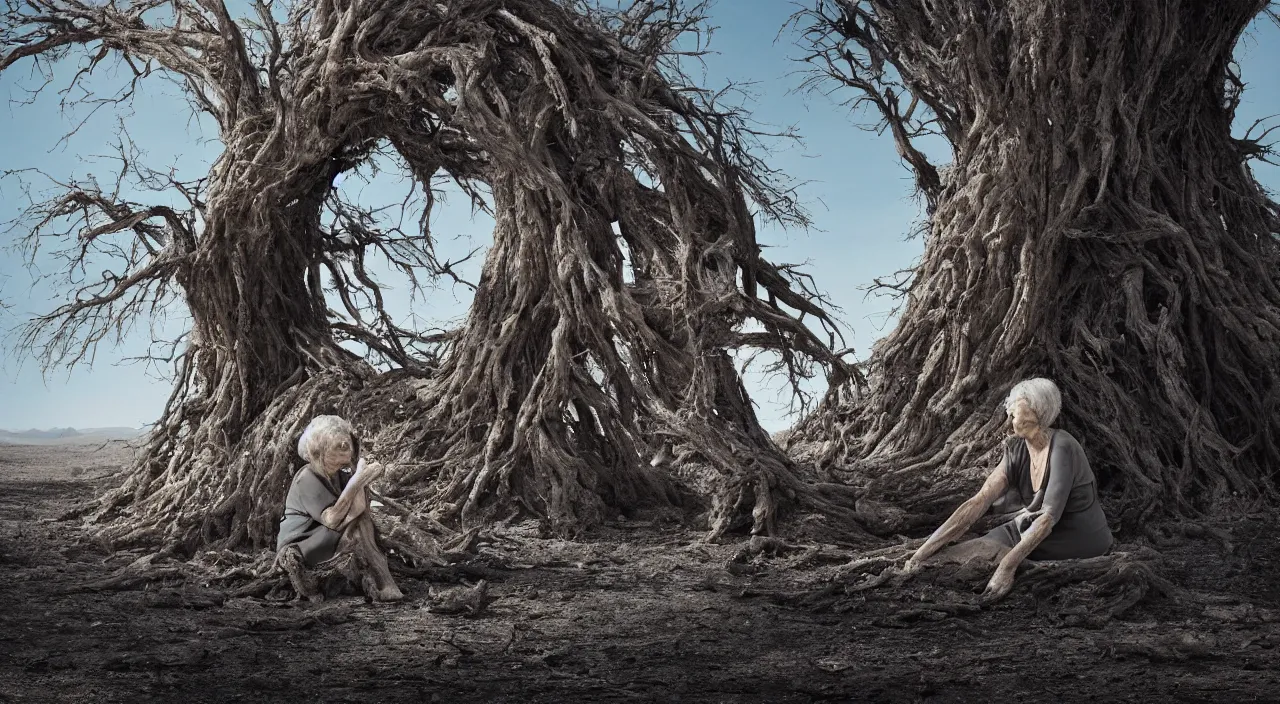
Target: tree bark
(1099,225)
(567,378)
(561,385)
(261,361)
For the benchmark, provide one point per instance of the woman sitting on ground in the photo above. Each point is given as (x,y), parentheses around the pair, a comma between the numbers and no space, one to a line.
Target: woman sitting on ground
(1044,470)
(326,512)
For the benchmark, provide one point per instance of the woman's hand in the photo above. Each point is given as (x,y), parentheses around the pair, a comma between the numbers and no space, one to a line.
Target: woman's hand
(1023,519)
(909,570)
(352,502)
(1000,585)
(915,563)
(371,472)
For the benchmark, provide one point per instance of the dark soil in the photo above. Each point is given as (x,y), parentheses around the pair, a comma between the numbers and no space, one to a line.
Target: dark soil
(639,612)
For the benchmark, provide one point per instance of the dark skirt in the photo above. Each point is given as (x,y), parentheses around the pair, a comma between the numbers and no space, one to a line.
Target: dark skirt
(317,544)
(1074,537)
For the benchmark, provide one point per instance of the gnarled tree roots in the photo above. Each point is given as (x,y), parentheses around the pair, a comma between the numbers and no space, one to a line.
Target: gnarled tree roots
(623,269)
(1098,224)
(1072,592)
(414,547)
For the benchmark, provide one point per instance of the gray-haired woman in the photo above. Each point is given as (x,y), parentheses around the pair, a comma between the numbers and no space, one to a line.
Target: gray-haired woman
(1045,472)
(326,510)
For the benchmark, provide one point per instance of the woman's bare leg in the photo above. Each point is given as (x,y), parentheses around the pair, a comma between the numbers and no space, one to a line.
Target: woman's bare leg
(304,582)
(359,539)
(350,502)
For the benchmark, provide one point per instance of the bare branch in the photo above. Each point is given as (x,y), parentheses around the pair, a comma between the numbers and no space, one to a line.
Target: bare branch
(198,43)
(848,47)
(114,280)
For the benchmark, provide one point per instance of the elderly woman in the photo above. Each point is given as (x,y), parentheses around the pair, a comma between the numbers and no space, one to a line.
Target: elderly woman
(1045,472)
(326,510)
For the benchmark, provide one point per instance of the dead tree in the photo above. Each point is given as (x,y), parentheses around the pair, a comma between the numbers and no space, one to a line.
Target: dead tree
(565,377)
(1099,225)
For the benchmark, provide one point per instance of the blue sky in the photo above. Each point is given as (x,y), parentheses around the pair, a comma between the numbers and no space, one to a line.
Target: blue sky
(859,195)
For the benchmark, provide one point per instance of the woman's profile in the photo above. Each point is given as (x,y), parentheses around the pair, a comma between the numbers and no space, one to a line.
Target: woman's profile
(1045,472)
(326,512)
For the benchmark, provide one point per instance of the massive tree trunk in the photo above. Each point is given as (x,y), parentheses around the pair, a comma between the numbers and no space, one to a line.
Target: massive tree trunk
(1099,225)
(564,380)
(261,358)
(248,260)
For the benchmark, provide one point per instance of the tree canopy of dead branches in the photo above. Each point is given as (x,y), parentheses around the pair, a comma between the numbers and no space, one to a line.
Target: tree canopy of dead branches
(578,362)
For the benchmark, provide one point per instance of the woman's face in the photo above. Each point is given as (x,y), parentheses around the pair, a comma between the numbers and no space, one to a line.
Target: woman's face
(338,454)
(1025,422)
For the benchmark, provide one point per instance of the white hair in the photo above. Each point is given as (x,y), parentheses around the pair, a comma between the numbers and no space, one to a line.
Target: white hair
(319,434)
(1042,395)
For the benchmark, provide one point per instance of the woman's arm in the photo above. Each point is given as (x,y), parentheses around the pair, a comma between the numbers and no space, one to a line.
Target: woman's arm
(308,495)
(1002,581)
(1061,481)
(359,504)
(353,500)
(964,516)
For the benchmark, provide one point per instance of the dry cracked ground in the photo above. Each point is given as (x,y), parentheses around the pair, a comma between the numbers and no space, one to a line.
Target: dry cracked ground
(634,612)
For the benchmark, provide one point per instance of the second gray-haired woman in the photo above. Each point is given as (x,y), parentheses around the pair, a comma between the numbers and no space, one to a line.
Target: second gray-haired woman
(1044,471)
(326,510)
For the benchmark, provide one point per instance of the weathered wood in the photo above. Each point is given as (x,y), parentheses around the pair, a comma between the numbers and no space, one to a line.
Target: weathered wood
(577,362)
(1098,225)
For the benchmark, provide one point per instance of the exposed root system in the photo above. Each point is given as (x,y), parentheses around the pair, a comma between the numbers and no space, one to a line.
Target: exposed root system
(1098,225)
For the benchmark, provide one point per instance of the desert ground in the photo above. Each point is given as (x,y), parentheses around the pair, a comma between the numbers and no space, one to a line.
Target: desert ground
(633,612)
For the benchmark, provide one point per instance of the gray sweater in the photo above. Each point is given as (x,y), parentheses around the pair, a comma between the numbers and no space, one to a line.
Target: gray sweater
(309,495)
(1069,494)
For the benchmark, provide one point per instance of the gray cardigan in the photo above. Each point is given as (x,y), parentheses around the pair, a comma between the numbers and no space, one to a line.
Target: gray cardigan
(309,495)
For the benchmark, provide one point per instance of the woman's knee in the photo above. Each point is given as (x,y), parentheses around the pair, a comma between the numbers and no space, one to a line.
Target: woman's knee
(360,534)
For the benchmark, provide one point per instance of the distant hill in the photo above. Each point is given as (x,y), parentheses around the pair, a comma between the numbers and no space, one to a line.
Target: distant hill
(66,436)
